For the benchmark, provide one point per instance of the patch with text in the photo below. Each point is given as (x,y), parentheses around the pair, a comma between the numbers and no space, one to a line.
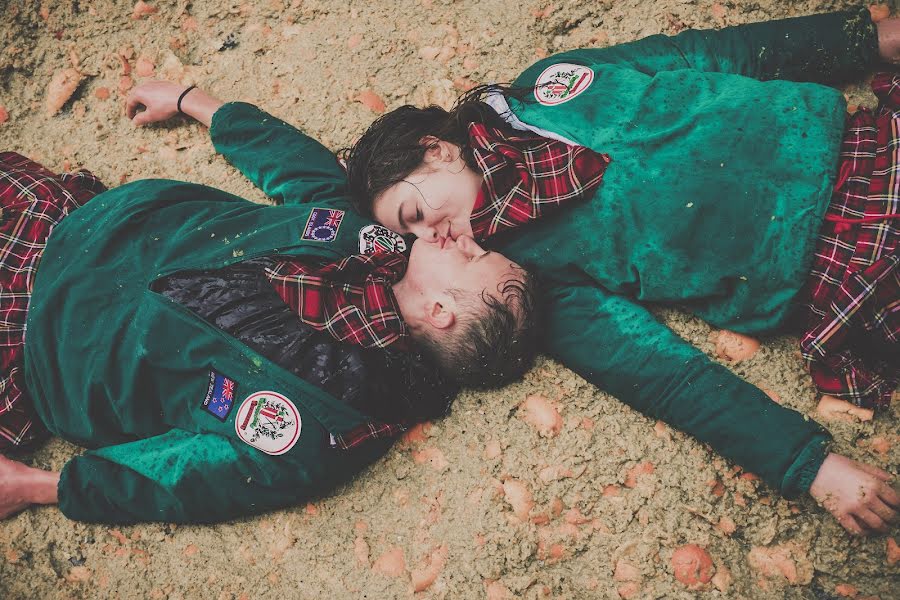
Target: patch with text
(219,396)
(323,225)
(269,422)
(377,238)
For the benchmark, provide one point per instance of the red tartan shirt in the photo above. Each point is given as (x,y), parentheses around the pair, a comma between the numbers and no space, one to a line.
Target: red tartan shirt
(354,301)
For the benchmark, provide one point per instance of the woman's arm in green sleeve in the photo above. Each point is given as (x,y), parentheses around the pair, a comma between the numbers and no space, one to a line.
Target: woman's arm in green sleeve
(183,477)
(823,48)
(285,163)
(620,347)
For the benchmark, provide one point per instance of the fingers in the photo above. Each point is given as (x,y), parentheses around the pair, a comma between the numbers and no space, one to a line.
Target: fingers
(849,523)
(871,521)
(134,100)
(875,471)
(142,118)
(889,495)
(887,514)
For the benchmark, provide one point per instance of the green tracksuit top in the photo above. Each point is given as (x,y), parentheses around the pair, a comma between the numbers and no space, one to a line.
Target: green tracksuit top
(116,367)
(721,172)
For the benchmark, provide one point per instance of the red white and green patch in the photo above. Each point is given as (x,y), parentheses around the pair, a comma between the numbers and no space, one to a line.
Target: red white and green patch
(376,238)
(269,422)
(562,82)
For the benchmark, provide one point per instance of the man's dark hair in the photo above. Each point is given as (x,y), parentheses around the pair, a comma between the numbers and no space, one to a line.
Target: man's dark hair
(496,346)
(391,147)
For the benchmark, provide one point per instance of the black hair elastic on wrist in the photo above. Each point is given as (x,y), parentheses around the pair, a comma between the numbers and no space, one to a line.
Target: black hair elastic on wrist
(181,97)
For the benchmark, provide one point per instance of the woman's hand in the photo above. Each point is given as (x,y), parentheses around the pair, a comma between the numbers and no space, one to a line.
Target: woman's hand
(159,100)
(856,494)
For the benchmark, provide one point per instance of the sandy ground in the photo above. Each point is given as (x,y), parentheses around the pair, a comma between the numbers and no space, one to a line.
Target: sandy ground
(614,494)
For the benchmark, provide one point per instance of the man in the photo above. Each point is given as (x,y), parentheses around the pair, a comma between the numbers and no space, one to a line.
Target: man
(157,334)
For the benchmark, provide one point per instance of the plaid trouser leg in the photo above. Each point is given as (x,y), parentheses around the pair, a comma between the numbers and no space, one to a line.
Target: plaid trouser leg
(33,201)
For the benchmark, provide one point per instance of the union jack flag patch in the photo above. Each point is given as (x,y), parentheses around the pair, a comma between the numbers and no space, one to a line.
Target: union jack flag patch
(323,225)
(219,396)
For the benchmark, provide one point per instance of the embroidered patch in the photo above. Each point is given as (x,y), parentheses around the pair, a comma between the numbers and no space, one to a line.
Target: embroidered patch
(375,238)
(561,82)
(269,422)
(322,225)
(219,396)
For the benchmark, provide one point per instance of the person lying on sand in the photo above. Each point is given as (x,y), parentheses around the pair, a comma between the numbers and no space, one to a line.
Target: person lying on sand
(694,170)
(220,357)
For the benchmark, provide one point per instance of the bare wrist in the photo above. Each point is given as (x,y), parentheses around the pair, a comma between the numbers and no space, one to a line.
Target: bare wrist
(43,488)
(200,105)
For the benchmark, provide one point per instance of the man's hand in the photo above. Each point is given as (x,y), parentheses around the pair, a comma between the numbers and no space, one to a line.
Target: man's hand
(21,486)
(856,494)
(159,100)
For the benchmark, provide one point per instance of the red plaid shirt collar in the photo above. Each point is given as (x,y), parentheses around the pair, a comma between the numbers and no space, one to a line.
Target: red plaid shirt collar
(352,299)
(527,177)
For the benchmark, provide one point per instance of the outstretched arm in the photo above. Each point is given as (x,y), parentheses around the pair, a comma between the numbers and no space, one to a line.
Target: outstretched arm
(824,48)
(159,101)
(282,161)
(619,346)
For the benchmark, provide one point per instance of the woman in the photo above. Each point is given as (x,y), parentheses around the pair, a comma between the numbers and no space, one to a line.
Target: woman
(689,171)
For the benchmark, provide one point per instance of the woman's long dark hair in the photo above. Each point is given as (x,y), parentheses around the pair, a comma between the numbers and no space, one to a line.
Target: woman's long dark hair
(391,148)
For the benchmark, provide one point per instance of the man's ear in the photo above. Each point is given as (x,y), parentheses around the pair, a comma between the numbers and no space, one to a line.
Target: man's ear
(437,150)
(440,316)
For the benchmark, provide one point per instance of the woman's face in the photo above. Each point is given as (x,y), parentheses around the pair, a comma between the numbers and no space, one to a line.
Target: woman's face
(434,202)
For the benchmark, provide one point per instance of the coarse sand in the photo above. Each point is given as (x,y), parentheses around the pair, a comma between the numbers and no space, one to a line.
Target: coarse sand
(504,498)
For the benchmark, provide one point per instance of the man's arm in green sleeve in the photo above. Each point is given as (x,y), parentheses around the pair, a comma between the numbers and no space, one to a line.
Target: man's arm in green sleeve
(285,163)
(187,478)
(824,48)
(620,347)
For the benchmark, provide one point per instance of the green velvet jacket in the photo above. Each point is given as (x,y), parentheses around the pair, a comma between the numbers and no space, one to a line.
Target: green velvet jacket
(722,168)
(113,366)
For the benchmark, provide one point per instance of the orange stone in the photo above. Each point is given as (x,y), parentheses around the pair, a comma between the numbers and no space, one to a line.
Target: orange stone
(692,566)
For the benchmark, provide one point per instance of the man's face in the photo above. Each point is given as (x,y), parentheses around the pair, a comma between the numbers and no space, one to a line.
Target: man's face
(458,264)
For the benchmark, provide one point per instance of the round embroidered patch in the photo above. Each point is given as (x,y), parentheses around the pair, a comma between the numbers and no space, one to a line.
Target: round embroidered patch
(269,422)
(561,82)
(376,238)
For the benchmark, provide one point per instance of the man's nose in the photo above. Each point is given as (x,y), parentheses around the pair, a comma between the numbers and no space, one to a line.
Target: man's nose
(468,246)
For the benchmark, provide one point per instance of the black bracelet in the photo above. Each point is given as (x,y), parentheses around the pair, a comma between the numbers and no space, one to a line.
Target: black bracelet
(181,97)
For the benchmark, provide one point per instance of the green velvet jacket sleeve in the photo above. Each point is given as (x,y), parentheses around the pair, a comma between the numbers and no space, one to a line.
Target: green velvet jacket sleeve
(822,48)
(285,163)
(620,347)
(184,477)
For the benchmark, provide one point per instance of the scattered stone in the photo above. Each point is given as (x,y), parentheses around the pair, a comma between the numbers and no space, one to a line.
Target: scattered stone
(631,476)
(391,563)
(542,414)
(519,498)
(371,100)
(424,576)
(692,566)
(61,88)
(144,67)
(142,9)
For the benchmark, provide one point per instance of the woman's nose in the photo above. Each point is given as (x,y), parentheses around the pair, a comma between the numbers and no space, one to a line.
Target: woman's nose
(429,234)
